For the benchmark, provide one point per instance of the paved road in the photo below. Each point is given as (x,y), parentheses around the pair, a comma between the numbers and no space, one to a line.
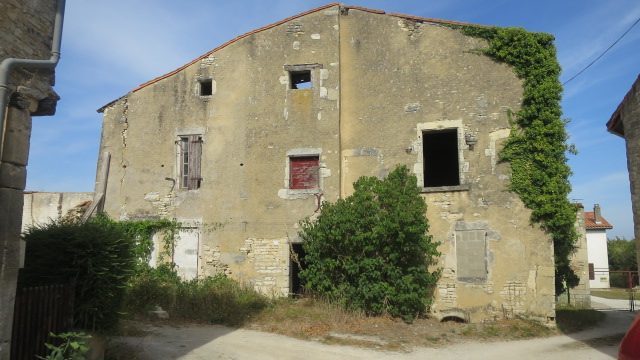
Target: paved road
(218,342)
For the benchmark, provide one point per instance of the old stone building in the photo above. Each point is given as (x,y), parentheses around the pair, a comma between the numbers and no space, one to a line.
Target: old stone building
(248,139)
(625,122)
(30,33)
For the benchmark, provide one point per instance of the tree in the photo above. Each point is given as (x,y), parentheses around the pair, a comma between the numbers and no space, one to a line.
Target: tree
(622,257)
(371,251)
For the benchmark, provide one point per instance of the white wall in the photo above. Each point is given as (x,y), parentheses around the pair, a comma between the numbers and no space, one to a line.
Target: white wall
(598,256)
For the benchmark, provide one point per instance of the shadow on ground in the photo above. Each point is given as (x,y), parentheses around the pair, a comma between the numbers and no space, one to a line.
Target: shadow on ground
(604,337)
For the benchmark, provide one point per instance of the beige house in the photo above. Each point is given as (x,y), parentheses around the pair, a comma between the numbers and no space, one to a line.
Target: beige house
(248,139)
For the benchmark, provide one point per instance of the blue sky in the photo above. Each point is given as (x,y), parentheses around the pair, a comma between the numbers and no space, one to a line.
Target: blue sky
(110,47)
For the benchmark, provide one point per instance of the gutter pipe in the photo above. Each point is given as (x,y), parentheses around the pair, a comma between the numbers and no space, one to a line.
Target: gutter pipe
(8,64)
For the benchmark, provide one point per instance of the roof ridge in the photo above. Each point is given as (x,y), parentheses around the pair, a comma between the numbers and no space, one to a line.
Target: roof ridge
(280,22)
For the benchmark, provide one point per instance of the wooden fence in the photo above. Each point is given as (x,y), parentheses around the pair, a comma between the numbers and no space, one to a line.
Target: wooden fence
(39,311)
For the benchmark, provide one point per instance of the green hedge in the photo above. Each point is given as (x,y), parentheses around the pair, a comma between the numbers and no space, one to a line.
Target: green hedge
(96,255)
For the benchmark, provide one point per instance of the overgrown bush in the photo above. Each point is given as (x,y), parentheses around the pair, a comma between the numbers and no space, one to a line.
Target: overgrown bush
(217,299)
(96,255)
(151,287)
(370,251)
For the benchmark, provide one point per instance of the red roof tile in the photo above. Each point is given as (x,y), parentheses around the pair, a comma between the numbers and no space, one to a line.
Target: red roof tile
(590,222)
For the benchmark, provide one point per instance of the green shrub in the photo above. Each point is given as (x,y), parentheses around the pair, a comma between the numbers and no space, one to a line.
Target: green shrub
(151,287)
(218,300)
(96,255)
(73,346)
(370,251)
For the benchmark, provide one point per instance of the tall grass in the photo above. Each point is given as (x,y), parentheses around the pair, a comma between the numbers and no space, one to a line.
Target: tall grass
(216,300)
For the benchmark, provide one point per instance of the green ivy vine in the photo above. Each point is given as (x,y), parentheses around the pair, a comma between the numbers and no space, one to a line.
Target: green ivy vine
(537,146)
(144,230)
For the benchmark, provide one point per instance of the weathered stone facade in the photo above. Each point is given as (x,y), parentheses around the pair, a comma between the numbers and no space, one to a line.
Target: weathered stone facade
(625,122)
(26,28)
(379,84)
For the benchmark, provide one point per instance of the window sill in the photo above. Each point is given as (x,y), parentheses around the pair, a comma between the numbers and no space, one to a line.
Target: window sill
(302,191)
(454,188)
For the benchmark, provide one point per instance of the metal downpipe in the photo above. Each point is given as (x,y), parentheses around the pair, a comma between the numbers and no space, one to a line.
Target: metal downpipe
(8,64)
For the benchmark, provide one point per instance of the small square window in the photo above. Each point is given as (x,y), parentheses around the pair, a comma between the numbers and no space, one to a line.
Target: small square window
(304,172)
(206,87)
(300,79)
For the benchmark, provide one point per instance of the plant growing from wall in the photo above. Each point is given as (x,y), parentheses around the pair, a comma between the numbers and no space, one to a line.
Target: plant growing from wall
(537,146)
(371,251)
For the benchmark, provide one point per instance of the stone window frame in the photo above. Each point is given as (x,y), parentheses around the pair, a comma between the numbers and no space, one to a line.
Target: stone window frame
(479,227)
(463,166)
(303,67)
(288,193)
(198,87)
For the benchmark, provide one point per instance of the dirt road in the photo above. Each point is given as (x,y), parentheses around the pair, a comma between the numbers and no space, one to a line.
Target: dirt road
(218,342)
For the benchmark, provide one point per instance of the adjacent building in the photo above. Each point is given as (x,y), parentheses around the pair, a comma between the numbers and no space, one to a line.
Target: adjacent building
(29,50)
(243,142)
(596,227)
(625,122)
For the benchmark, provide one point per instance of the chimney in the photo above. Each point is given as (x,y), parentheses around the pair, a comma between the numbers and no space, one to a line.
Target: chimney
(597,217)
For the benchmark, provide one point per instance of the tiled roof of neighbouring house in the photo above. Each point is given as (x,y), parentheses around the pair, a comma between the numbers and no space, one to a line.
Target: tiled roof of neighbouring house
(590,222)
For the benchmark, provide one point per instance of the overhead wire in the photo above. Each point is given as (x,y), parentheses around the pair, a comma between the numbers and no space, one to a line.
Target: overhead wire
(604,52)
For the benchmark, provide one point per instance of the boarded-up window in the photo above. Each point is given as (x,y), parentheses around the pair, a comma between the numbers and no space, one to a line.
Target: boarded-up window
(185,253)
(471,254)
(304,172)
(190,154)
(592,272)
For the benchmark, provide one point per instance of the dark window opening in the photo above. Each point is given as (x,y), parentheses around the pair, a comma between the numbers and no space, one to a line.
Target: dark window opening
(304,172)
(300,79)
(592,272)
(440,158)
(297,264)
(190,153)
(206,87)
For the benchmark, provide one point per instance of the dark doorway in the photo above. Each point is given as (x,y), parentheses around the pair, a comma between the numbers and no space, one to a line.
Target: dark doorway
(296,264)
(440,156)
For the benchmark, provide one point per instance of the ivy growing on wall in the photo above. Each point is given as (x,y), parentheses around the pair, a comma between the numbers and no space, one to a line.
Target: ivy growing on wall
(537,146)
(142,232)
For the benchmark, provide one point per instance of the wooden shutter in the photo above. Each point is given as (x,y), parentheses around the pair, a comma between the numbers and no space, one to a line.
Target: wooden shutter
(304,172)
(592,273)
(195,153)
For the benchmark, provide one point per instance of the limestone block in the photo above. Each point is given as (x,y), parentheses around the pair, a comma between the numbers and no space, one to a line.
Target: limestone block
(13,176)
(17,137)
(10,220)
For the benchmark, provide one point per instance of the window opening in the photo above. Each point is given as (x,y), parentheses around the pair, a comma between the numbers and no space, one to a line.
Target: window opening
(300,79)
(297,264)
(440,158)
(592,272)
(190,154)
(304,172)
(206,87)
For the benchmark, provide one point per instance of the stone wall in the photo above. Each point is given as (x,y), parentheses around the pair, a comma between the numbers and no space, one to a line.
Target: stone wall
(43,207)
(25,32)
(630,115)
